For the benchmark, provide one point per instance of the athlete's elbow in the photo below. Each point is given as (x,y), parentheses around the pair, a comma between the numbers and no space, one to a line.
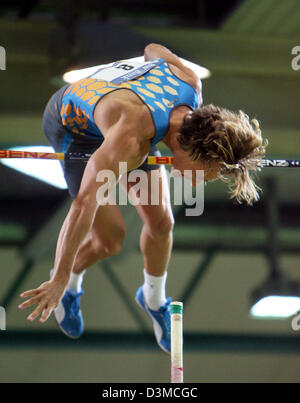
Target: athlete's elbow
(151,46)
(82,202)
(149,51)
(146,52)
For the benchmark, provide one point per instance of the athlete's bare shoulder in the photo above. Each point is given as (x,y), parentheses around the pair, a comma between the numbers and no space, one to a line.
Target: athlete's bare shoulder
(126,107)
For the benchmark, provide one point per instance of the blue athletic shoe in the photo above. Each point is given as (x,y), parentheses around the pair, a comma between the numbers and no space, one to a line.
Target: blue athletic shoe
(160,319)
(68,314)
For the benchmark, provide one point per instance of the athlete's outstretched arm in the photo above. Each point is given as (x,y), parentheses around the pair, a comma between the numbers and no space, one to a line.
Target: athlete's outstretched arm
(119,145)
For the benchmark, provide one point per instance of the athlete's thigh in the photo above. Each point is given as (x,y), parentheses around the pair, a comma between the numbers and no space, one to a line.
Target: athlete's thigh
(108,223)
(157,207)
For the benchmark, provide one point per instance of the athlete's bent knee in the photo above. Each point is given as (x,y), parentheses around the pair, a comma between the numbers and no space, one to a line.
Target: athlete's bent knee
(162,227)
(111,245)
(113,248)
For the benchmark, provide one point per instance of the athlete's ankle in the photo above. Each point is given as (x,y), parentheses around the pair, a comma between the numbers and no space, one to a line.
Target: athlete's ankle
(75,281)
(154,290)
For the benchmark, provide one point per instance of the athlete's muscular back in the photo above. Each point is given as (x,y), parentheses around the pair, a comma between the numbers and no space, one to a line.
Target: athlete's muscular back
(124,104)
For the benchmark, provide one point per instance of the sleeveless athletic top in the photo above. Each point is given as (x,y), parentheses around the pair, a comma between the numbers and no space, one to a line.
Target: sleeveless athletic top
(153,82)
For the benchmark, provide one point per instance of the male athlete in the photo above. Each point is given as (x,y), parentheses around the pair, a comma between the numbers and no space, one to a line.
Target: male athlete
(119,114)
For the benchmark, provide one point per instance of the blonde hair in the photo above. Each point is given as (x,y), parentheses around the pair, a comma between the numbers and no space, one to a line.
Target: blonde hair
(214,134)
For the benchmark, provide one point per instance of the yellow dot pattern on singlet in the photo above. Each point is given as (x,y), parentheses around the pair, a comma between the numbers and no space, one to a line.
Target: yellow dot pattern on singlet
(160,106)
(156,72)
(172,81)
(135,82)
(170,90)
(87,95)
(154,79)
(167,103)
(97,85)
(68,109)
(91,90)
(94,99)
(155,88)
(124,85)
(146,92)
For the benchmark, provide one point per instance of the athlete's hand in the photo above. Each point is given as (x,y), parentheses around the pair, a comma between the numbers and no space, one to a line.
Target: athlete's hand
(47,296)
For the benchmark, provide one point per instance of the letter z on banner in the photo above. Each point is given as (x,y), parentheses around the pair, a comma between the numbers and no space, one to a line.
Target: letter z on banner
(125,70)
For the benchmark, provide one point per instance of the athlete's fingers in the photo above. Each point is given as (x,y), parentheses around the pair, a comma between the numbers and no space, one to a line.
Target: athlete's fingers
(46,313)
(30,293)
(31,301)
(38,310)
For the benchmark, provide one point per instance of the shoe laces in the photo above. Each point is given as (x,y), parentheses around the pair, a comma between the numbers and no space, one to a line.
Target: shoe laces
(164,311)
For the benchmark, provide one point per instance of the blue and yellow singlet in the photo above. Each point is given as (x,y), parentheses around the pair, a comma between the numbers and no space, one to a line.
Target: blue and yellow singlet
(152,81)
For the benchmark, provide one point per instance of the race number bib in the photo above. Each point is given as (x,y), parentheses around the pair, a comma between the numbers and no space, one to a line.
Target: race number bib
(125,70)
